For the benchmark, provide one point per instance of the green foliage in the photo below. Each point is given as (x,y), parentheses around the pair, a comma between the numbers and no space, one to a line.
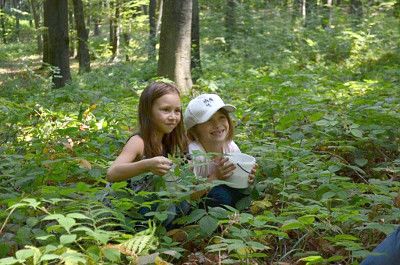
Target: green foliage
(317,106)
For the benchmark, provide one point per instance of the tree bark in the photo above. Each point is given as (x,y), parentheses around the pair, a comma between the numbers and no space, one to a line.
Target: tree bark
(152,30)
(2,21)
(45,35)
(82,34)
(174,53)
(160,12)
(195,60)
(72,38)
(16,5)
(114,32)
(96,29)
(36,20)
(230,22)
(58,41)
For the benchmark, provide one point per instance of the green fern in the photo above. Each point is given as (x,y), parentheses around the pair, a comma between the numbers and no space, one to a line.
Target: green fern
(142,242)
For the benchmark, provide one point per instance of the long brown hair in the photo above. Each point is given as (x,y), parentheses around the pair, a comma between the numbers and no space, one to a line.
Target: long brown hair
(172,143)
(192,134)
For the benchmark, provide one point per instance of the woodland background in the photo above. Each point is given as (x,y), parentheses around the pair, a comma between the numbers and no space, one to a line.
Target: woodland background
(316,84)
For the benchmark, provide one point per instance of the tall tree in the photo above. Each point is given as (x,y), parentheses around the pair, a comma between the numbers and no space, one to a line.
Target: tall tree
(17,14)
(152,29)
(230,22)
(36,20)
(3,21)
(82,34)
(45,35)
(195,60)
(58,54)
(115,30)
(175,38)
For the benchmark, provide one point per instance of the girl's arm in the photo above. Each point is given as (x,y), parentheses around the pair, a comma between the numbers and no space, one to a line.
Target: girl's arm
(126,165)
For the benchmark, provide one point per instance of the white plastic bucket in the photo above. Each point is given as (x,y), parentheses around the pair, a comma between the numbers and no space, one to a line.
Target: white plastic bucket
(244,164)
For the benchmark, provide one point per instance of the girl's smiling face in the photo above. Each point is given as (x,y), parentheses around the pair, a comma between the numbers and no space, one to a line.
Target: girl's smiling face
(166,113)
(213,131)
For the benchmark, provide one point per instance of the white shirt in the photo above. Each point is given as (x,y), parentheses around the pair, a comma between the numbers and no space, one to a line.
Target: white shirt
(202,165)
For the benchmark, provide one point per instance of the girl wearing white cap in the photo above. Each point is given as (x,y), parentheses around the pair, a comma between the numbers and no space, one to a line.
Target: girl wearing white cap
(210,130)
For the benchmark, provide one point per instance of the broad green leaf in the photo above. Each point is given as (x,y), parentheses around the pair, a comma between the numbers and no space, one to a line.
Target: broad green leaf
(357,133)
(111,254)
(73,257)
(361,161)
(291,224)
(196,215)
(208,224)
(66,223)
(9,261)
(67,239)
(24,254)
(47,257)
(306,219)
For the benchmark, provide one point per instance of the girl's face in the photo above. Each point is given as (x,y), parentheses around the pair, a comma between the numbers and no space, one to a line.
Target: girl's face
(215,130)
(166,113)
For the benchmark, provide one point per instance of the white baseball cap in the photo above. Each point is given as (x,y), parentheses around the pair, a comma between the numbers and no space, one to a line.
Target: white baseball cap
(201,108)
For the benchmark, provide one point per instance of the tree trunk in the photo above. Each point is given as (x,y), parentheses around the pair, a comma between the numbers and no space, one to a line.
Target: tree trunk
(356,8)
(115,33)
(36,20)
(72,35)
(96,29)
(16,5)
(195,60)
(174,53)
(2,21)
(82,34)
(58,40)
(152,30)
(230,22)
(160,12)
(45,35)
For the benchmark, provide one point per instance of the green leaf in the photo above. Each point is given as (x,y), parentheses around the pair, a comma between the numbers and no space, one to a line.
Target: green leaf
(66,223)
(24,254)
(9,261)
(208,225)
(291,224)
(357,133)
(67,239)
(306,219)
(73,258)
(196,215)
(361,161)
(77,216)
(111,254)
(47,257)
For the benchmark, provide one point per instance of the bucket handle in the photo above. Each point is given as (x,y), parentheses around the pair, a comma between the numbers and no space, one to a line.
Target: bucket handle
(243,168)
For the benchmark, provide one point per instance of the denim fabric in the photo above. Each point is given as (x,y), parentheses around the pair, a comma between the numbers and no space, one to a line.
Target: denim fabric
(387,252)
(223,195)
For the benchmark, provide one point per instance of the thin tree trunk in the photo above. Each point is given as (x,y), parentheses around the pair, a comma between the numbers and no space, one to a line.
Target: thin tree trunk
(58,40)
(230,22)
(2,21)
(36,20)
(96,29)
(72,38)
(82,34)
(17,24)
(152,30)
(195,35)
(45,35)
(160,12)
(115,33)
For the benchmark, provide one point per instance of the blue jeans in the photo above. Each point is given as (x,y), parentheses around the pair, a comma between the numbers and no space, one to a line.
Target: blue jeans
(223,195)
(389,250)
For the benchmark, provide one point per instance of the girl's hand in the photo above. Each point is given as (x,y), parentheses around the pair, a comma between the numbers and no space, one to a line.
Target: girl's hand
(252,174)
(159,165)
(223,168)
